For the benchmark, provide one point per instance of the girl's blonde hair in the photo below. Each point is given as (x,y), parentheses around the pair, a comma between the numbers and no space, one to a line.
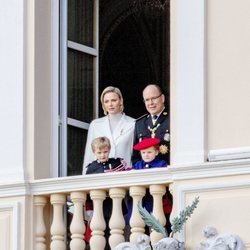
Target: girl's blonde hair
(100,143)
(111,89)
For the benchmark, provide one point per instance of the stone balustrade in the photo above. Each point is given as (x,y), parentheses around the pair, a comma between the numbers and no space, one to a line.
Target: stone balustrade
(69,234)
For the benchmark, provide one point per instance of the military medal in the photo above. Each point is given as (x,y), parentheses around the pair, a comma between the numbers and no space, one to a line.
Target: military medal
(152,130)
(163,149)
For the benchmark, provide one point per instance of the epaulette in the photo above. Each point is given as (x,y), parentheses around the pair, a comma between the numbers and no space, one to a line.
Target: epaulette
(139,118)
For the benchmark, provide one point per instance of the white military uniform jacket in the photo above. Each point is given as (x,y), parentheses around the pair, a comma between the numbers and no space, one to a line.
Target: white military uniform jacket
(121,140)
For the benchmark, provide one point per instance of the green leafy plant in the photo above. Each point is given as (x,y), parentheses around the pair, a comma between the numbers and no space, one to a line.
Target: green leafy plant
(177,223)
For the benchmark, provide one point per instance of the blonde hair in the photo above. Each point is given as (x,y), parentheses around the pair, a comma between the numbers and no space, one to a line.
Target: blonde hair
(111,89)
(100,143)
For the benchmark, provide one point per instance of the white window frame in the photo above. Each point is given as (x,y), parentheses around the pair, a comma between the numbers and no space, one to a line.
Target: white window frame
(55,86)
(64,120)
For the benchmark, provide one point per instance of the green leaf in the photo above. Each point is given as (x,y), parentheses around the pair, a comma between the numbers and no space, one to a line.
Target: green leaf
(151,221)
(179,221)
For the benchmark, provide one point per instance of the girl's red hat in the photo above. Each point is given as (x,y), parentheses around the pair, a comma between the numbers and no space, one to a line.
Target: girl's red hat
(146,143)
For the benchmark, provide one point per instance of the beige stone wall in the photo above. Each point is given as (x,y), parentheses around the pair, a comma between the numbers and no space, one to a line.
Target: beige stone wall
(15,223)
(6,227)
(38,89)
(43,86)
(228,74)
(224,204)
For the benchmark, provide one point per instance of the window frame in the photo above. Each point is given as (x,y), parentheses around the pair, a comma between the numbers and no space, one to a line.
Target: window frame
(65,44)
(187,118)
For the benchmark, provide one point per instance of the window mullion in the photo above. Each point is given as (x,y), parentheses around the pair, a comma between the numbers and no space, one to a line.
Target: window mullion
(63,91)
(96,58)
(82,48)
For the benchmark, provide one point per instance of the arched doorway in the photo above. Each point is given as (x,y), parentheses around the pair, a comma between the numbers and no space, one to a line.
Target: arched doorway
(134,51)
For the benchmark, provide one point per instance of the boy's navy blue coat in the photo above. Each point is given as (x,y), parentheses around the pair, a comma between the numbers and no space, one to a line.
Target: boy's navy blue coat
(156,163)
(112,165)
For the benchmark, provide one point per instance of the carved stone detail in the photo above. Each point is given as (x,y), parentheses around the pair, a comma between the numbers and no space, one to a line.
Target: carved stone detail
(168,243)
(220,242)
(142,243)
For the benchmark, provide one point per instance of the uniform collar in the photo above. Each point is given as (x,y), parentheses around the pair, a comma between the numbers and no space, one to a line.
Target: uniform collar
(158,113)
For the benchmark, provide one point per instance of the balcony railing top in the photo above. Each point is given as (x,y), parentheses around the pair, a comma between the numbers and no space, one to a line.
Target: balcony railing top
(104,181)
(126,178)
(140,178)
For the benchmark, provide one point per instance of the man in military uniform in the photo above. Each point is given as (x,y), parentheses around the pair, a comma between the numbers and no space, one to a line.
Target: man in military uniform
(155,124)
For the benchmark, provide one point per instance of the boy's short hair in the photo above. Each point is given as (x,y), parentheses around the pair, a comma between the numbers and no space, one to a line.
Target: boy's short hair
(100,143)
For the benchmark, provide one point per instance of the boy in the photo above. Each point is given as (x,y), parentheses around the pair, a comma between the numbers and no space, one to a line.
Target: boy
(103,164)
(149,149)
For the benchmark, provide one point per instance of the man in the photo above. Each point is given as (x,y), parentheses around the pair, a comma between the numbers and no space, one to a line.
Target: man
(155,124)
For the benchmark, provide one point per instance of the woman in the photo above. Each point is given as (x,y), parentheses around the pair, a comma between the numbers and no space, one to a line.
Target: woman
(117,126)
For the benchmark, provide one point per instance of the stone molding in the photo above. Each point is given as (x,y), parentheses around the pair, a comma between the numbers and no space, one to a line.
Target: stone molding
(123,179)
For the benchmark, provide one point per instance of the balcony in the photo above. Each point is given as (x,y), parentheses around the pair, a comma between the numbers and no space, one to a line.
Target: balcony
(217,184)
(54,193)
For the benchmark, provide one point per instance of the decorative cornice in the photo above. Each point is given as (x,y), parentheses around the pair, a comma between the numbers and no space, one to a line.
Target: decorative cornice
(229,154)
(14,189)
(210,170)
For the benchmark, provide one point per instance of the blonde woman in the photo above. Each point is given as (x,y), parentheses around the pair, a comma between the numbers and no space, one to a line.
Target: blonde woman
(115,125)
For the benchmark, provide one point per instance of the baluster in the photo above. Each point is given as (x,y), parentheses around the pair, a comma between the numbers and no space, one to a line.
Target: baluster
(97,224)
(58,227)
(77,226)
(136,222)
(117,222)
(40,228)
(157,191)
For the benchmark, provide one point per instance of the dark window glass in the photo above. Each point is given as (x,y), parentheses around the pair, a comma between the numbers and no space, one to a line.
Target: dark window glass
(80,86)
(76,146)
(80,21)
